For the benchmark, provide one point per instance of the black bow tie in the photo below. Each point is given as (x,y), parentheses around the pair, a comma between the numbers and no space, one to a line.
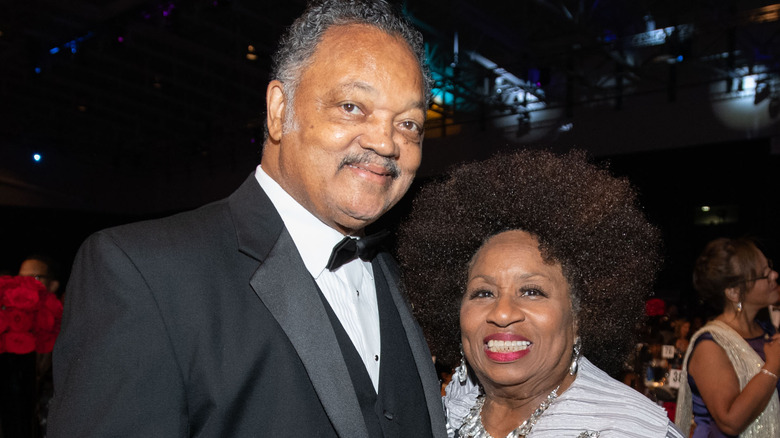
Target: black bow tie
(351,248)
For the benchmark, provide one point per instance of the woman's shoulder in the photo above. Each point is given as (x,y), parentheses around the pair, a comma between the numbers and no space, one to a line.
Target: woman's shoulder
(598,403)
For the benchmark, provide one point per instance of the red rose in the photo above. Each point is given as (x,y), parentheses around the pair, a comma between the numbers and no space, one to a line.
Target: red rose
(32,283)
(19,320)
(53,305)
(45,342)
(44,321)
(655,307)
(3,321)
(19,342)
(8,282)
(21,297)
(27,306)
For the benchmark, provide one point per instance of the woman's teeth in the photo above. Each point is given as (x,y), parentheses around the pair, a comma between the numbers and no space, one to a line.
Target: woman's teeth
(498,346)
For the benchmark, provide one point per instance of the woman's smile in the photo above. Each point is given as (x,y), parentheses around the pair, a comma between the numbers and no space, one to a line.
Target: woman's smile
(506,347)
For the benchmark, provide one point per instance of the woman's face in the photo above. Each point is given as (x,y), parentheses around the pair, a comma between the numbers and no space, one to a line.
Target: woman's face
(765,290)
(516,317)
(685,328)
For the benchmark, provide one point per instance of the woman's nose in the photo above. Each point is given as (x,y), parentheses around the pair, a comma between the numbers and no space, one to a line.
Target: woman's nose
(506,311)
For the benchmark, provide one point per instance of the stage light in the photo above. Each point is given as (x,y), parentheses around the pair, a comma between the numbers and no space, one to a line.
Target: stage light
(37,157)
(250,53)
(705,208)
(750,82)
(566,127)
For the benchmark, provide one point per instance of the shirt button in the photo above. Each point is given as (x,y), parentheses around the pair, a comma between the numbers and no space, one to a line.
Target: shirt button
(388,415)
(376,358)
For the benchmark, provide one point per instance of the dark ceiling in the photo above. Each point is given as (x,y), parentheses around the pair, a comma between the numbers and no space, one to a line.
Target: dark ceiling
(138,84)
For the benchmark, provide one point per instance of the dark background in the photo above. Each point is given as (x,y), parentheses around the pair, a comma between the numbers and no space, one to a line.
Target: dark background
(141,108)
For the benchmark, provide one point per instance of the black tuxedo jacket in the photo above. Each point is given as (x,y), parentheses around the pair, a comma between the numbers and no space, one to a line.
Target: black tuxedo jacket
(207,324)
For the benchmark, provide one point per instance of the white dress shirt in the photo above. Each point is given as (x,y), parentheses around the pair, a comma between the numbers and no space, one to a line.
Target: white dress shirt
(350,289)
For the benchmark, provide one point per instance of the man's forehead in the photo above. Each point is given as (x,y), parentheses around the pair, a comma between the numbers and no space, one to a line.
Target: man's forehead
(34,266)
(355,38)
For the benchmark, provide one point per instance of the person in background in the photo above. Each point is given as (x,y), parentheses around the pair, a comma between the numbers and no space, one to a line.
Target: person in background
(24,404)
(774,315)
(730,370)
(682,334)
(44,269)
(239,319)
(539,266)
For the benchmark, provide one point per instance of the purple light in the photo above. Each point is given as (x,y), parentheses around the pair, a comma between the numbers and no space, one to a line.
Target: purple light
(121,39)
(252,140)
(165,13)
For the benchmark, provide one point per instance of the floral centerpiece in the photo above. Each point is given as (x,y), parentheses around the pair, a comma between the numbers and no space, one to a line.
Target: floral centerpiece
(30,316)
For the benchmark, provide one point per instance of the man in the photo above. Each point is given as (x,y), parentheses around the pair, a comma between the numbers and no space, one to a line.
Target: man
(230,321)
(44,269)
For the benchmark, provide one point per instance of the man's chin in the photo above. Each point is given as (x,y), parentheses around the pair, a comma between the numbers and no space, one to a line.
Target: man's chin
(355,220)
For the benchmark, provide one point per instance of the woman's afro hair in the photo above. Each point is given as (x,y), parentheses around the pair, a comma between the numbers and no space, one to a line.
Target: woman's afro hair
(583,217)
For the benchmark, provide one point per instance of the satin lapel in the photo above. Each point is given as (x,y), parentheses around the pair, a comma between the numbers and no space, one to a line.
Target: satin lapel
(255,219)
(419,347)
(289,292)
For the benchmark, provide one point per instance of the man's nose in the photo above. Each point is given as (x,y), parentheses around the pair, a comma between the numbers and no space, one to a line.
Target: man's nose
(378,136)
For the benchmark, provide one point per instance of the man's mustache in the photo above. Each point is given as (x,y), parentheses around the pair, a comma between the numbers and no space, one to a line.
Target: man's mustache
(370,157)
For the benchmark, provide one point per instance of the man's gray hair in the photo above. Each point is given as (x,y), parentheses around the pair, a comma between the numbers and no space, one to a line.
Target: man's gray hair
(299,43)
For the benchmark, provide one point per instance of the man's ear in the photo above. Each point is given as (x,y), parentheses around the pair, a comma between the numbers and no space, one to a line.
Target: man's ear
(54,285)
(275,103)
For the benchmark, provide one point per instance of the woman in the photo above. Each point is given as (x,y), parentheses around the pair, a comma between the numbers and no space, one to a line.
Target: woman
(682,328)
(541,260)
(732,363)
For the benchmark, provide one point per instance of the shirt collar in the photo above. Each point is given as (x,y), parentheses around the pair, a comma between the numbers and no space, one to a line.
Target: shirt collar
(314,239)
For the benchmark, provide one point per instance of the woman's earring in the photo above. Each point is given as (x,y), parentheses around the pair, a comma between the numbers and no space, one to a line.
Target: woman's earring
(575,357)
(739,306)
(462,371)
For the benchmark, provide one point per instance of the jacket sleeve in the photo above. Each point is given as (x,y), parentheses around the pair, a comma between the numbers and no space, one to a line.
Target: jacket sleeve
(115,373)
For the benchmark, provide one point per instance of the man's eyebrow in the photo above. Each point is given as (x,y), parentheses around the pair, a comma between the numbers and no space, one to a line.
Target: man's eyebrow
(366,88)
(357,85)
(421,106)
